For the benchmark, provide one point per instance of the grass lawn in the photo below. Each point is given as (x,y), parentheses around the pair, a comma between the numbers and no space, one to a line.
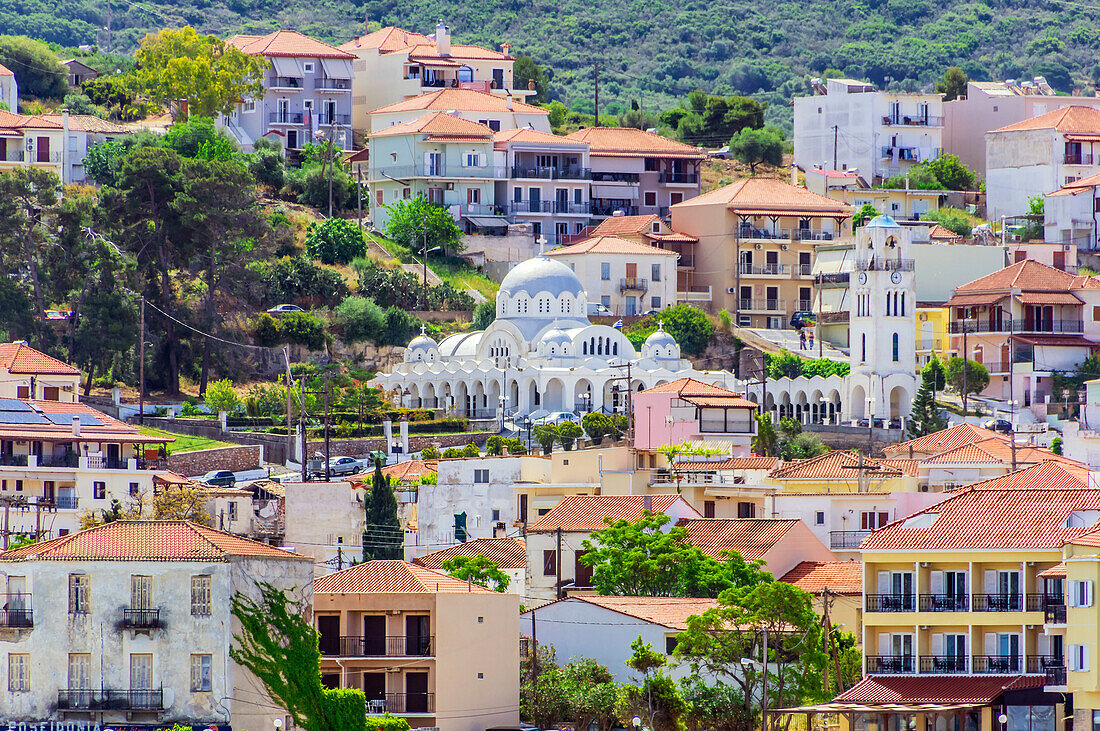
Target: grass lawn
(466,277)
(184,442)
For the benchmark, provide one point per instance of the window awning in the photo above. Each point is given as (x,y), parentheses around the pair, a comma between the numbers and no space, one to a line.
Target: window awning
(922,694)
(488,221)
(335,69)
(286,66)
(1048,298)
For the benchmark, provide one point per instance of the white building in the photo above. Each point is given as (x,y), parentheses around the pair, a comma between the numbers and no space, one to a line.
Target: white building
(848,124)
(1069,219)
(324,520)
(130,623)
(626,277)
(23,369)
(541,352)
(9,89)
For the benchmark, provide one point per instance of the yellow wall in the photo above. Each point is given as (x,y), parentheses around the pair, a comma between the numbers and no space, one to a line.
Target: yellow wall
(850,485)
(931,333)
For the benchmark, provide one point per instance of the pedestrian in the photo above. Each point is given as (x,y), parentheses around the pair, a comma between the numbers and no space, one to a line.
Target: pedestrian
(801,340)
(811,340)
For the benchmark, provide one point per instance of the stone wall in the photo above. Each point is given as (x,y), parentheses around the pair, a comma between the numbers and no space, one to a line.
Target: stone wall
(359,447)
(237,459)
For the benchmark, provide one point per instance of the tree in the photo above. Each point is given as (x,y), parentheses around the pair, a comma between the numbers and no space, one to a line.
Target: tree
(278,644)
(796,444)
(211,75)
(934,370)
(362,319)
(382,534)
(26,197)
(478,570)
(546,435)
(708,120)
(543,697)
(596,425)
(766,441)
(524,71)
(756,146)
(413,219)
(657,699)
(179,502)
(925,416)
(953,84)
(429,453)
(977,375)
(718,707)
(335,241)
(688,325)
(863,215)
(568,432)
(783,364)
(591,693)
(220,397)
(37,69)
(648,558)
(951,173)
(484,314)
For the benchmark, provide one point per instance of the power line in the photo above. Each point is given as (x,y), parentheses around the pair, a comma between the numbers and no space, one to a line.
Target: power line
(200,332)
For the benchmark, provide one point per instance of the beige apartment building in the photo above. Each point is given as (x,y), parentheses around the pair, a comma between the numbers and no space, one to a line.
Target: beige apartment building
(756,246)
(421,645)
(29,373)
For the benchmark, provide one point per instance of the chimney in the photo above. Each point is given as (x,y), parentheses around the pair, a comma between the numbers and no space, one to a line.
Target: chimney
(76,425)
(509,104)
(794,175)
(647,503)
(506,48)
(500,531)
(443,39)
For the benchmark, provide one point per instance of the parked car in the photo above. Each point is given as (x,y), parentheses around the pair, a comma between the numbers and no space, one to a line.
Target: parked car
(595,308)
(344,466)
(1004,426)
(58,314)
(555,417)
(280,309)
(220,478)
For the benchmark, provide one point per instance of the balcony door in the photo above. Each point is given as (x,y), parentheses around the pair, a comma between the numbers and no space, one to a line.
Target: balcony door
(141,673)
(374,688)
(417,635)
(416,692)
(374,635)
(329,629)
(80,680)
(141,592)
(433,163)
(534,197)
(1003,588)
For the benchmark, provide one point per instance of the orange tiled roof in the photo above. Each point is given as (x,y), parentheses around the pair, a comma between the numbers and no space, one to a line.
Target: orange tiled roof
(1058,570)
(413,469)
(939,233)
(1078,186)
(630,142)
(18,357)
(427,51)
(506,553)
(703,394)
(943,440)
(750,537)
(464,100)
(1027,274)
(977,690)
(905,466)
(287,43)
(610,245)
(5,71)
(387,40)
(61,429)
(1066,119)
(619,225)
(997,450)
(10,120)
(148,540)
(840,577)
(392,577)
(531,136)
(88,123)
(833,466)
(763,196)
(670,612)
(728,463)
(586,513)
(439,124)
(1061,474)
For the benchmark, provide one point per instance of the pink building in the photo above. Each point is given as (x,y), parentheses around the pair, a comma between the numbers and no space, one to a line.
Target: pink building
(687,410)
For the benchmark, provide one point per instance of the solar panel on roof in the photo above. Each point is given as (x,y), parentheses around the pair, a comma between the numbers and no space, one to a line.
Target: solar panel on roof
(13,404)
(85,419)
(21,417)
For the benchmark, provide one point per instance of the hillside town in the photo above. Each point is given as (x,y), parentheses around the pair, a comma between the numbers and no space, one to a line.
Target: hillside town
(382,394)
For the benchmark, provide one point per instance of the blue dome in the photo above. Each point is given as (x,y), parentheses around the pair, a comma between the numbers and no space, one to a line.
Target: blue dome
(882,222)
(660,338)
(540,274)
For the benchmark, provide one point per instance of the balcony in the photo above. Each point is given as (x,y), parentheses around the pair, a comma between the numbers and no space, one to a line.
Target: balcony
(997,664)
(805,305)
(764,305)
(141,618)
(1055,676)
(944,602)
(916,120)
(847,539)
(1040,663)
(1054,614)
(332,84)
(327,119)
(67,502)
(286,82)
(110,700)
(550,173)
(392,646)
(998,603)
(633,284)
(832,279)
(957,327)
(284,118)
(1039,602)
(883,664)
(943,664)
(908,154)
(403,703)
(803,270)
(68,459)
(13,460)
(609,177)
(435,170)
(564,207)
(17,610)
(884,264)
(891,603)
(1072,158)
(678,178)
(765,270)
(693,294)
(604,209)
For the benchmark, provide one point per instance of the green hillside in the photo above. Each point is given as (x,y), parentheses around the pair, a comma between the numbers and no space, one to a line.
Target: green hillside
(656,51)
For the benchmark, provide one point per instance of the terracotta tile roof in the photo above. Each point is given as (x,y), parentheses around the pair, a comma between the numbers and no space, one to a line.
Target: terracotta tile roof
(1078,186)
(761,196)
(996,450)
(832,466)
(945,689)
(357,155)
(840,577)
(10,120)
(1004,518)
(703,394)
(630,142)
(731,402)
(52,421)
(88,123)
(429,51)
(506,553)
(670,612)
(5,71)
(18,357)
(1078,341)
(1057,571)
(971,300)
(955,436)
(1066,119)
(531,136)
(1048,298)
(1027,274)
(463,100)
(411,470)
(727,463)
(586,513)
(150,540)
(940,233)
(1055,472)
(439,124)
(619,225)
(751,537)
(392,577)
(287,43)
(906,466)
(671,238)
(610,245)
(387,40)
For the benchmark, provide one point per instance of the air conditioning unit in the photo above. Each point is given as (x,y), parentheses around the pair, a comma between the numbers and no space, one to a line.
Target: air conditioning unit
(784,247)
(759,247)
(923,316)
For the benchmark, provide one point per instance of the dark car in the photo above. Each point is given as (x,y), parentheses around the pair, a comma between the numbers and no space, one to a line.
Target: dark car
(1004,426)
(221,478)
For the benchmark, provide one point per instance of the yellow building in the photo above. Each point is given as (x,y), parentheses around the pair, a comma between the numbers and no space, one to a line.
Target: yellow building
(931,334)
(1079,574)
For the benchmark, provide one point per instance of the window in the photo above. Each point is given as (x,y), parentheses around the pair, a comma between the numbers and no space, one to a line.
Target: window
(578,196)
(308,67)
(494,124)
(19,486)
(674,198)
(19,672)
(200,595)
(232,511)
(605,300)
(670,644)
(652,164)
(863,348)
(605,271)
(819,517)
(99,490)
(481,476)
(708,508)
(78,593)
(472,160)
(873,520)
(746,510)
(549,563)
(200,673)
(135,489)
(650,198)
(249,106)
(496,514)
(655,273)
(379,197)
(473,196)
(1078,658)
(895,347)
(655,303)
(1080,593)
(141,592)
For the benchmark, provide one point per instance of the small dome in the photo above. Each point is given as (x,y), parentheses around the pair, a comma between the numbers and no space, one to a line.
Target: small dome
(882,222)
(557,338)
(660,338)
(540,274)
(423,340)
(660,345)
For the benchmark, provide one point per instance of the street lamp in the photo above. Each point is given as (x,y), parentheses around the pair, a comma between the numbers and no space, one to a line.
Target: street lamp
(278,723)
(527,425)
(1002,719)
(636,722)
(503,400)
(586,400)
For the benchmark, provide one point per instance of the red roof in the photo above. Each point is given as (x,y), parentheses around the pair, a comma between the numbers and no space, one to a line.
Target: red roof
(946,689)
(750,537)
(727,463)
(1057,472)
(439,124)
(411,470)
(392,40)
(463,100)
(996,450)
(1067,119)
(392,577)
(506,553)
(287,43)
(148,540)
(1028,275)
(18,357)
(703,394)
(764,196)
(586,513)
(943,440)
(833,466)
(631,142)
(839,577)
(610,245)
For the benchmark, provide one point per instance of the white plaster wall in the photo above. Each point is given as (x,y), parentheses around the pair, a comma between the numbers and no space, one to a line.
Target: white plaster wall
(319,515)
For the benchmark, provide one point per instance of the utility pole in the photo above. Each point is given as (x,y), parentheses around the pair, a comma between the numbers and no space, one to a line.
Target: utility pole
(596,67)
(534,644)
(424,252)
(1011,400)
(557,564)
(302,426)
(290,405)
(141,359)
(629,404)
(331,151)
(359,193)
(965,330)
(836,134)
(764,689)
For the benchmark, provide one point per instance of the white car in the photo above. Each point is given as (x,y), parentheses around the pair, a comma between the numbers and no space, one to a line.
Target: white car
(344,466)
(556,417)
(595,308)
(280,309)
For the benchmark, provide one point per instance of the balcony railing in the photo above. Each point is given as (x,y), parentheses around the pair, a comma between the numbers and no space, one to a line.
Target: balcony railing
(1055,614)
(998,603)
(803,270)
(1077,159)
(1039,602)
(944,602)
(284,117)
(436,170)
(999,664)
(884,264)
(765,305)
(943,664)
(332,84)
(13,460)
(1055,675)
(68,459)
(286,82)
(832,279)
(916,120)
(877,664)
(551,173)
(391,646)
(956,327)
(17,610)
(633,284)
(110,700)
(406,703)
(612,177)
(333,119)
(521,207)
(604,209)
(765,269)
(694,293)
(805,305)
(67,502)
(1040,663)
(891,603)
(847,538)
(673,177)
(141,618)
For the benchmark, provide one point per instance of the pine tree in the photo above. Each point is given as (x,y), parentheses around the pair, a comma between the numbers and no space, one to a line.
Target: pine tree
(924,416)
(382,535)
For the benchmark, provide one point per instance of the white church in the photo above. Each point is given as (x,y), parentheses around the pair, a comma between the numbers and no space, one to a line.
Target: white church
(543,354)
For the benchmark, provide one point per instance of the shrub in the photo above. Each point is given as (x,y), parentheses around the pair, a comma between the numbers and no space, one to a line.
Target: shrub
(429,453)
(220,396)
(265,330)
(452,453)
(688,325)
(362,319)
(267,165)
(335,241)
(484,314)
(303,328)
(568,433)
(399,326)
(297,278)
(596,425)
(471,450)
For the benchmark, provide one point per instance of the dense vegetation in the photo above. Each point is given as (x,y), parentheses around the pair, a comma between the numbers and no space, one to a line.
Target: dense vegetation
(655,53)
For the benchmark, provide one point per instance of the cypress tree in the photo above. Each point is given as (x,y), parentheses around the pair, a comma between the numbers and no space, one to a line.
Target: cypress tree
(924,416)
(382,534)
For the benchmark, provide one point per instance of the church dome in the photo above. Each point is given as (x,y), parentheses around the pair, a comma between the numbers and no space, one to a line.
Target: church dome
(422,347)
(660,345)
(540,274)
(556,341)
(882,222)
